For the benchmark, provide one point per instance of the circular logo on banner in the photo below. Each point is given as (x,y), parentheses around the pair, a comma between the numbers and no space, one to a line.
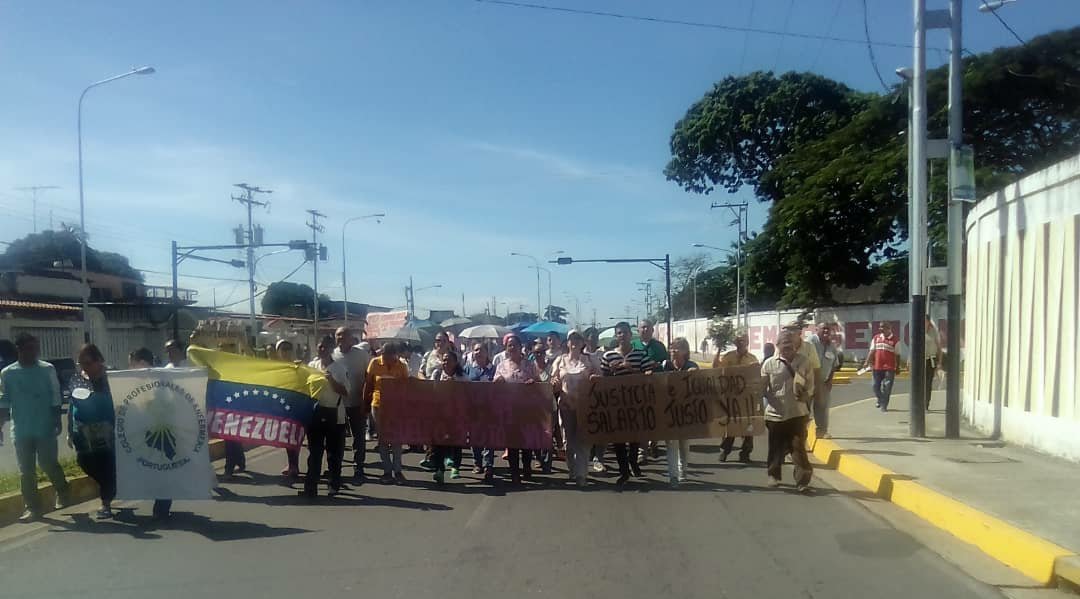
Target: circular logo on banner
(160,424)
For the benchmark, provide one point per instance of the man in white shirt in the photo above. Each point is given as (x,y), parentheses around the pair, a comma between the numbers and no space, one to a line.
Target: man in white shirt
(355,359)
(787,376)
(327,430)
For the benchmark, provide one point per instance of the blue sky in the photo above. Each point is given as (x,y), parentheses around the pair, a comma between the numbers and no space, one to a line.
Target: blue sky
(480,129)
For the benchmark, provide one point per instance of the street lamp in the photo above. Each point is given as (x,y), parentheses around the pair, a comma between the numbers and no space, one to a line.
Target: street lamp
(539,308)
(663,264)
(82,209)
(410,296)
(738,277)
(344,286)
(549,285)
(992,6)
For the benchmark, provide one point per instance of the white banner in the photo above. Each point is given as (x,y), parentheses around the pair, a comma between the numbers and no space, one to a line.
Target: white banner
(161,434)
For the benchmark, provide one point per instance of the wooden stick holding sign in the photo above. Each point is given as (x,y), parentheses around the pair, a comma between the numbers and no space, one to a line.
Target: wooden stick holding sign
(693,404)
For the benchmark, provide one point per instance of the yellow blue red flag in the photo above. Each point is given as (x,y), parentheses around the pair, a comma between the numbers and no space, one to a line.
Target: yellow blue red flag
(257,401)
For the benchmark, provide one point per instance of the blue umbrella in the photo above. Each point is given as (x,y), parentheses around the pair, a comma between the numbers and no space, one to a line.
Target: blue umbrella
(547,326)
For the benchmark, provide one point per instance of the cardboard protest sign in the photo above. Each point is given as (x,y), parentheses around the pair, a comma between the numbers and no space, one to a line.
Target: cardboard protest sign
(463,414)
(694,404)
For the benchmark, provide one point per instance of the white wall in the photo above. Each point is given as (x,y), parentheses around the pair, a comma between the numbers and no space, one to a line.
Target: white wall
(1022,326)
(857,326)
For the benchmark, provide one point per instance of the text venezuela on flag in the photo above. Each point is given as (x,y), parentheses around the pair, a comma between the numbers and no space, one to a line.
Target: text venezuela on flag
(257,401)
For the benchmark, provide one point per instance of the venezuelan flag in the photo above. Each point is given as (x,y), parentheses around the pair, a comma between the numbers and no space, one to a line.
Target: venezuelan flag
(258,401)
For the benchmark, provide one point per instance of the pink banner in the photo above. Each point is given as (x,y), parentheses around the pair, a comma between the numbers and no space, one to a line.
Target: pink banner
(460,414)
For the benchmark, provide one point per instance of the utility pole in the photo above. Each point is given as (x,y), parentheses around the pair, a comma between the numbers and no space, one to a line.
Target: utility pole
(316,254)
(409,299)
(249,201)
(740,210)
(463,304)
(34,189)
(917,223)
(956,225)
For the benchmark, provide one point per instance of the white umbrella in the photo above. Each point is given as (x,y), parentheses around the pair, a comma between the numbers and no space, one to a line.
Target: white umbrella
(484,331)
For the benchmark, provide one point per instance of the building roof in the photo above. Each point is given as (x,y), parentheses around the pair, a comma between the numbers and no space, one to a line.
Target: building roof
(10,304)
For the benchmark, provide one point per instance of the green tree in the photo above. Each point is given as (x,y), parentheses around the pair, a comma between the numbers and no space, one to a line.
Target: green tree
(284,297)
(50,248)
(735,134)
(838,183)
(482,318)
(556,314)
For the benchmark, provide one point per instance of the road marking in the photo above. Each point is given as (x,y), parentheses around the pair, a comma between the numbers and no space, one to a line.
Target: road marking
(854,403)
(480,512)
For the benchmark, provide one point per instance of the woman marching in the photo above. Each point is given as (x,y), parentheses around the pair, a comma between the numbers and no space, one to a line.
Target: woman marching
(678,451)
(91,419)
(570,377)
(441,454)
(516,369)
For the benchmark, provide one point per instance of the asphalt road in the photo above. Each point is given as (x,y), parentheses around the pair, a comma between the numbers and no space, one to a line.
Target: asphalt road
(723,534)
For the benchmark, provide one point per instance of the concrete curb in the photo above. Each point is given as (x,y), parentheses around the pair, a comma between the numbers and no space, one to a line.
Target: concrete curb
(1031,555)
(81,488)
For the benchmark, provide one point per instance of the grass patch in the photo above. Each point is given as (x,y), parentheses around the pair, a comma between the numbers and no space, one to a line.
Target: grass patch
(9,481)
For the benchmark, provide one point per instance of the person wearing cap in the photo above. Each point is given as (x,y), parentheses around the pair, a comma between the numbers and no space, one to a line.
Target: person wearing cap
(786,378)
(884,358)
(740,356)
(354,358)
(807,351)
(177,354)
(822,342)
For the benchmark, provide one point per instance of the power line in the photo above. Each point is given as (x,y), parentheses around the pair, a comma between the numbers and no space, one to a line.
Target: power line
(698,24)
(746,37)
(821,47)
(780,46)
(870,47)
(291,273)
(993,11)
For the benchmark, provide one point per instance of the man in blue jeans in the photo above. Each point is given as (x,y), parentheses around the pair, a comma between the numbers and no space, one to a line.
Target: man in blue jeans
(884,358)
(30,397)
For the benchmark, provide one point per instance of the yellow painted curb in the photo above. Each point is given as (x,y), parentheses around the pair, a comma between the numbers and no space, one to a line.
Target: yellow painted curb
(1031,555)
(80,488)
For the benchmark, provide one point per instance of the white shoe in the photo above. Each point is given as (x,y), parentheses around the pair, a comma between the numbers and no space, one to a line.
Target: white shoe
(774,482)
(597,466)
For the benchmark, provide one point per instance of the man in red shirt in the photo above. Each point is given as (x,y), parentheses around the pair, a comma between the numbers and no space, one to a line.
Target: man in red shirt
(884,358)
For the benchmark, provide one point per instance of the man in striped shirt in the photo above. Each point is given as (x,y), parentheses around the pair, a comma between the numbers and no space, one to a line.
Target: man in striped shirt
(623,360)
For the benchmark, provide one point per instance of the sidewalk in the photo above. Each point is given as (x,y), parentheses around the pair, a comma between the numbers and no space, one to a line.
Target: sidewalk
(993,495)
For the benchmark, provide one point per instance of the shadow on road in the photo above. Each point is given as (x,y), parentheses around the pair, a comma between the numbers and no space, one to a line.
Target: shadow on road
(143,527)
(345,499)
